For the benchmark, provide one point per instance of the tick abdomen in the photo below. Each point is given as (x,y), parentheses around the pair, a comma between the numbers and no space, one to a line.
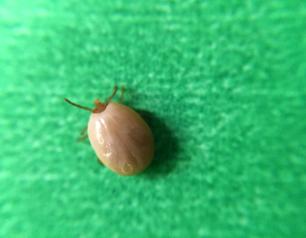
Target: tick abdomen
(121,139)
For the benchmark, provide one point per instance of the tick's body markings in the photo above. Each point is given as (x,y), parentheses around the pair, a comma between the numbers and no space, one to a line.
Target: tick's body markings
(120,137)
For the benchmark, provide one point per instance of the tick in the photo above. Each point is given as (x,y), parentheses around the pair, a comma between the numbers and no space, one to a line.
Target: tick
(121,139)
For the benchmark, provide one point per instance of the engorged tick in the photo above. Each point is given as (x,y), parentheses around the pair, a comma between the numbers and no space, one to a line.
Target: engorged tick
(121,139)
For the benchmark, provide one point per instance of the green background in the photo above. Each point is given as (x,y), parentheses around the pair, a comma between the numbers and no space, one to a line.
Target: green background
(223,87)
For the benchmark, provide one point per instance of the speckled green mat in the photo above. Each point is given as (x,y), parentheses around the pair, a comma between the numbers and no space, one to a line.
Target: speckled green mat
(222,84)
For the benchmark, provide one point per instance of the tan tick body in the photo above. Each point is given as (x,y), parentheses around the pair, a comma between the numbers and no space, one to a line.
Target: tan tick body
(121,139)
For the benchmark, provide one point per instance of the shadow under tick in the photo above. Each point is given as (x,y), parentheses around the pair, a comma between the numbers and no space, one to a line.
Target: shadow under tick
(166,147)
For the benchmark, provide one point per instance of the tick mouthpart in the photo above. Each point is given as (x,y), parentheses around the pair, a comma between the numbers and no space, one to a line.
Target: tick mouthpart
(99,106)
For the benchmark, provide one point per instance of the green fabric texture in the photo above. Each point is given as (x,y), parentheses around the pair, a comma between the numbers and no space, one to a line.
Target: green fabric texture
(222,84)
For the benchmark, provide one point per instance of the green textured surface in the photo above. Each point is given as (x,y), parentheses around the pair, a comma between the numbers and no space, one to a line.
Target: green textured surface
(225,82)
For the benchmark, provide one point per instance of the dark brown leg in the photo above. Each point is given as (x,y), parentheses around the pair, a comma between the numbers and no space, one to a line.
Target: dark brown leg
(122,94)
(83,135)
(111,96)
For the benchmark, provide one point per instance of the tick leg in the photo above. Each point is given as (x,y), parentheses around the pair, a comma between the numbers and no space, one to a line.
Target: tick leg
(82,138)
(113,94)
(122,94)
(83,131)
(78,105)
(83,135)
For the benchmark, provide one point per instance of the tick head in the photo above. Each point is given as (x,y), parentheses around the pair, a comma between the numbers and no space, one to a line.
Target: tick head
(99,106)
